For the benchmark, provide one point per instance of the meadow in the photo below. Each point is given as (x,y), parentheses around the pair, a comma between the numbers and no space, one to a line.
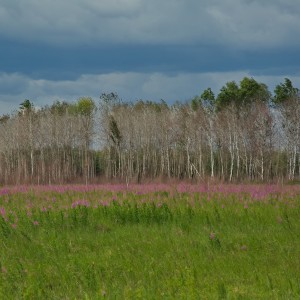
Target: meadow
(150,242)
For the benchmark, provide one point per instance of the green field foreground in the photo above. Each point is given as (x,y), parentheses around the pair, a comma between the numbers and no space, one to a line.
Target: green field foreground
(101,244)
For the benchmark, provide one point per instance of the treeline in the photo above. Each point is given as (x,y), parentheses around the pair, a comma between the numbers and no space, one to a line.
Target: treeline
(243,134)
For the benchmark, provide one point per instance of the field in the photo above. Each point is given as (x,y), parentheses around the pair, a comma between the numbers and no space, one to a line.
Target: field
(150,242)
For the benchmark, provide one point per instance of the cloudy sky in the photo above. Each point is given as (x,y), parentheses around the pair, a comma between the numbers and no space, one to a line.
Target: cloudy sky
(159,49)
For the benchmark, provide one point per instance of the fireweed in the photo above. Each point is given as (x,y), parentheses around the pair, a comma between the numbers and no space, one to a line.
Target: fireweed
(150,241)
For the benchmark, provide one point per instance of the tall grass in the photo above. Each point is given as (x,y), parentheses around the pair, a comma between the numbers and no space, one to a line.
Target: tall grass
(170,243)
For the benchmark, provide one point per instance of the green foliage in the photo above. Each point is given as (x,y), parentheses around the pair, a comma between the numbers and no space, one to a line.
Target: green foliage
(85,106)
(195,103)
(228,94)
(208,98)
(284,91)
(115,133)
(26,107)
(61,108)
(251,91)
(248,91)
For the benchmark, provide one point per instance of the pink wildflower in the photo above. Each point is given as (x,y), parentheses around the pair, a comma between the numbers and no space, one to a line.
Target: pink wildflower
(80,203)
(3,213)
(74,204)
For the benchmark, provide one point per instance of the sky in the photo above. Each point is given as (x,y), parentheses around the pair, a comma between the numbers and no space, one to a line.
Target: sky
(160,49)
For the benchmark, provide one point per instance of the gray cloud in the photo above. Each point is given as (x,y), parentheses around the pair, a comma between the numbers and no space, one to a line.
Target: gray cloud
(13,84)
(230,23)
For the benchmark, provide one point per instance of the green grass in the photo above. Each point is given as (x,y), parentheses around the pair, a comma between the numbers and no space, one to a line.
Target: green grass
(153,246)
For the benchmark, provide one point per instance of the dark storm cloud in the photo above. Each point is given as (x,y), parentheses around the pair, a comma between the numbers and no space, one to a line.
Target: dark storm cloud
(56,63)
(171,48)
